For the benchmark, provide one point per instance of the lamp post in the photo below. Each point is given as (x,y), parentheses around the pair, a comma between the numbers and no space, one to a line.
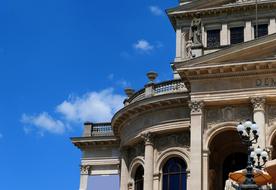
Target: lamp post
(256,158)
(249,135)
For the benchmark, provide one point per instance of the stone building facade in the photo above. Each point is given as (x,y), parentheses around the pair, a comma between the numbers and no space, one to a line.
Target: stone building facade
(184,130)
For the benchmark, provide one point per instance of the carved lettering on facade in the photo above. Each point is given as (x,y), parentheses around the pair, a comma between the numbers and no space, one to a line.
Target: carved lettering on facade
(266,82)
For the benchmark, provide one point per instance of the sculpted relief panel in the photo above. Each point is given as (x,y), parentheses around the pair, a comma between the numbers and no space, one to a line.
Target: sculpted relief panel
(271,109)
(218,115)
(173,140)
(135,151)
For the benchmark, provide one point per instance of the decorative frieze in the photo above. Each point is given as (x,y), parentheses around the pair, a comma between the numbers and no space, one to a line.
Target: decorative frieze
(85,169)
(218,115)
(258,103)
(196,107)
(172,140)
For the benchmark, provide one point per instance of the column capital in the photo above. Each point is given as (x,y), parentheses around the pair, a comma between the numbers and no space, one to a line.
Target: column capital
(85,169)
(196,107)
(258,103)
(147,137)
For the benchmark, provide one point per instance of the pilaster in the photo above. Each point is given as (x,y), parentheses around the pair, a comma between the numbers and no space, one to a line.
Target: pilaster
(248,31)
(178,44)
(148,170)
(84,171)
(196,144)
(272,26)
(258,104)
(224,35)
(124,170)
(205,159)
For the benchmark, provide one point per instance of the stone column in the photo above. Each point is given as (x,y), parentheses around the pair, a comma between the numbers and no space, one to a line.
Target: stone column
(248,31)
(85,171)
(124,171)
(148,170)
(224,35)
(196,144)
(259,117)
(272,26)
(205,159)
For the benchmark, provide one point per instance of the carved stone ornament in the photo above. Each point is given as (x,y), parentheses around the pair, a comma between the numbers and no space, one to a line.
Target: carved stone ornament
(195,31)
(148,137)
(85,169)
(258,102)
(218,115)
(196,106)
(164,142)
(271,115)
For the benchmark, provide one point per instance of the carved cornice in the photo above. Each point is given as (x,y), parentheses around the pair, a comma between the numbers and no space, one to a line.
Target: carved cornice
(196,107)
(258,103)
(148,138)
(85,169)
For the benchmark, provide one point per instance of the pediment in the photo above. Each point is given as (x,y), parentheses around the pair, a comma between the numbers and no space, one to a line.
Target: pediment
(199,4)
(261,49)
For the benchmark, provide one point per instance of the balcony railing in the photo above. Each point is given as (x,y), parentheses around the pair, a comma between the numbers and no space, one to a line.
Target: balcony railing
(101,130)
(167,87)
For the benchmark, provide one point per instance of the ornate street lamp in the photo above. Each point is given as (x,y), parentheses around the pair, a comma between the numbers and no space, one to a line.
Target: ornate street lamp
(256,158)
(249,134)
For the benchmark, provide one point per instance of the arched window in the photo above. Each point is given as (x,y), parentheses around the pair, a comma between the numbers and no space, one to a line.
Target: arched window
(139,178)
(174,174)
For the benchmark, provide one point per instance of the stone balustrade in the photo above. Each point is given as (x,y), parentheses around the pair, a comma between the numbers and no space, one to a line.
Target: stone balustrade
(167,87)
(101,130)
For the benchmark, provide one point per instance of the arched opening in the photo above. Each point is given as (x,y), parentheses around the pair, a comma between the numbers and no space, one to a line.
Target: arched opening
(227,154)
(174,174)
(139,178)
(273,153)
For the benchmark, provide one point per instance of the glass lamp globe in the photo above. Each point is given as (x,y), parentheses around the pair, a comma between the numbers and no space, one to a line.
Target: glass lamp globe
(258,151)
(252,154)
(254,127)
(240,128)
(248,125)
(264,154)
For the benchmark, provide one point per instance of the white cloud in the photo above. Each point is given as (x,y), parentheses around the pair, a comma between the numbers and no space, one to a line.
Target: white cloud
(143,45)
(155,10)
(42,122)
(93,106)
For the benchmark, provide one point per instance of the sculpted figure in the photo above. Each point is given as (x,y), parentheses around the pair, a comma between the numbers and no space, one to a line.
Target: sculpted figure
(189,49)
(195,31)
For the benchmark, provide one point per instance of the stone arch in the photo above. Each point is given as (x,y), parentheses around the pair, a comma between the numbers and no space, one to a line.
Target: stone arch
(170,153)
(222,141)
(211,133)
(272,135)
(272,142)
(135,163)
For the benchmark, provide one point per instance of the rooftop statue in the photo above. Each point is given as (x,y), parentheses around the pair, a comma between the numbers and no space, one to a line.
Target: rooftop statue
(195,31)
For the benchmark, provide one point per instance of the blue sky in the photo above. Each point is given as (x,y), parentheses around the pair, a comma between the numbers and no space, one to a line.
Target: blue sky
(63,62)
